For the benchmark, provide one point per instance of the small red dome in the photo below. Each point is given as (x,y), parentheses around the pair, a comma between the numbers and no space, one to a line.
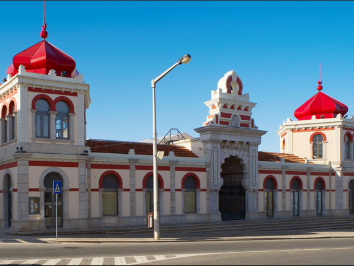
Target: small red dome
(41,58)
(322,106)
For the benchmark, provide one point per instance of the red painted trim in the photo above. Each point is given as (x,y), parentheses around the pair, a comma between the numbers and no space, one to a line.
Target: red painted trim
(33,189)
(210,116)
(295,173)
(225,115)
(190,169)
(274,180)
(8,165)
(74,189)
(12,101)
(195,177)
(150,168)
(245,117)
(270,172)
(94,190)
(53,164)
(203,190)
(167,189)
(246,109)
(139,189)
(252,123)
(8,96)
(0,191)
(150,174)
(225,106)
(4,109)
(44,97)
(216,119)
(232,107)
(67,101)
(49,91)
(349,134)
(109,166)
(224,123)
(280,190)
(310,130)
(323,182)
(260,190)
(120,182)
(239,82)
(126,189)
(348,129)
(284,134)
(15,190)
(244,125)
(283,145)
(178,190)
(348,174)
(292,179)
(213,107)
(239,108)
(287,190)
(316,133)
(345,190)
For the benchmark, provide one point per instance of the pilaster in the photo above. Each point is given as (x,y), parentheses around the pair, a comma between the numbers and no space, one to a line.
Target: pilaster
(83,206)
(52,129)
(173,186)
(132,163)
(22,112)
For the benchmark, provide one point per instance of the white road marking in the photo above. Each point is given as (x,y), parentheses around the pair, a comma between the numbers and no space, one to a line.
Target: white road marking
(52,262)
(140,259)
(29,262)
(159,257)
(97,261)
(75,262)
(6,262)
(119,261)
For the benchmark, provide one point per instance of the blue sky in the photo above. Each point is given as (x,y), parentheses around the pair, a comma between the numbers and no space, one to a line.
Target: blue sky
(275,48)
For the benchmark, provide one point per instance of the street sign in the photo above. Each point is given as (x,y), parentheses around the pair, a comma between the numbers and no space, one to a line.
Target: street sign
(56,187)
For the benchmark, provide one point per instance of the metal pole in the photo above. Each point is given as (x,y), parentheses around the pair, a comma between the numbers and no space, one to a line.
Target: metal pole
(154,153)
(56,216)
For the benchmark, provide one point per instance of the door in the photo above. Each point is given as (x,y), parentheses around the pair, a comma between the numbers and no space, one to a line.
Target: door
(318,202)
(50,212)
(232,203)
(296,203)
(9,209)
(269,203)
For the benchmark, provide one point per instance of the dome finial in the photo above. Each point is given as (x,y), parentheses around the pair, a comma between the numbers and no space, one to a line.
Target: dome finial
(319,87)
(44,33)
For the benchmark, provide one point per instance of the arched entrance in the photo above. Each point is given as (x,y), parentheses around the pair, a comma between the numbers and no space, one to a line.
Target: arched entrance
(7,201)
(49,201)
(232,193)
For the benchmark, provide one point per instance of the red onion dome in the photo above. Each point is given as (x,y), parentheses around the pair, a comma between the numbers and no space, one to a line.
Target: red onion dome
(321,105)
(41,58)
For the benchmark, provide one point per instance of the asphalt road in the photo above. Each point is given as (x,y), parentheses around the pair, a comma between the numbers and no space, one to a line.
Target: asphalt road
(319,251)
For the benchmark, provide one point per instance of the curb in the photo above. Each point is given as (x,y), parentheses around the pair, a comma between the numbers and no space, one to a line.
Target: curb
(192,240)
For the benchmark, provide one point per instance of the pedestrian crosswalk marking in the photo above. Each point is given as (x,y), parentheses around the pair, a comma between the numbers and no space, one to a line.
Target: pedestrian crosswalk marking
(52,262)
(159,257)
(140,259)
(97,261)
(119,261)
(29,262)
(6,262)
(75,262)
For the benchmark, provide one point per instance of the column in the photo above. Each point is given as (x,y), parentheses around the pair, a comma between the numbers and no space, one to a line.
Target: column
(161,202)
(197,199)
(82,194)
(89,189)
(52,129)
(71,126)
(42,207)
(22,195)
(2,130)
(183,190)
(283,189)
(132,163)
(15,124)
(308,184)
(339,190)
(120,202)
(173,186)
(22,115)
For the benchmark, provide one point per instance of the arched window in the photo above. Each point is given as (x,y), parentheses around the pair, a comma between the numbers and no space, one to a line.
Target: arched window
(318,195)
(149,195)
(235,121)
(295,186)
(13,121)
(4,129)
(42,119)
(269,197)
(317,146)
(62,120)
(190,184)
(351,197)
(110,186)
(347,146)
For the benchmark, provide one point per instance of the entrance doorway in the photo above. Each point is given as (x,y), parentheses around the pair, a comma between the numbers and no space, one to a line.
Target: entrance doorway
(8,201)
(49,201)
(232,193)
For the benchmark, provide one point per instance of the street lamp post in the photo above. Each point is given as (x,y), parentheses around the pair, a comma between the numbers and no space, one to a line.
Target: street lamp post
(184,59)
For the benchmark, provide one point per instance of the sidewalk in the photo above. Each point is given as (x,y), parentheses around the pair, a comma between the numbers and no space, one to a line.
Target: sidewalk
(210,236)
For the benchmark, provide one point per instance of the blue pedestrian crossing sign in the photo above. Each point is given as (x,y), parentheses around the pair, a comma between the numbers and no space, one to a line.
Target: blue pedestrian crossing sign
(56,187)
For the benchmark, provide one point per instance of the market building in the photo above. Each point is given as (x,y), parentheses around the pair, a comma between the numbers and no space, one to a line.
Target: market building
(218,176)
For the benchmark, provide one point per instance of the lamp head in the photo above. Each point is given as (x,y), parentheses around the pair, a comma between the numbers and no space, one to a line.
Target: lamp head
(185,59)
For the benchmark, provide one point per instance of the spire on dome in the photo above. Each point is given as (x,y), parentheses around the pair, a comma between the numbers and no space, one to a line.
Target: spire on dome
(44,33)
(319,87)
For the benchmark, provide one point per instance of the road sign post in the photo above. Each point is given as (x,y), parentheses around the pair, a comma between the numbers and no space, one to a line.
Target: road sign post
(56,191)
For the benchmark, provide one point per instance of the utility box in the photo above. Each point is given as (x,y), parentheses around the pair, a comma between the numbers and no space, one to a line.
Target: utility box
(151,220)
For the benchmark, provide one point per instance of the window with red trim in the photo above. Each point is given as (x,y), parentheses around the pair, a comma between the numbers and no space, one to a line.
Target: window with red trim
(317,146)
(42,119)
(190,185)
